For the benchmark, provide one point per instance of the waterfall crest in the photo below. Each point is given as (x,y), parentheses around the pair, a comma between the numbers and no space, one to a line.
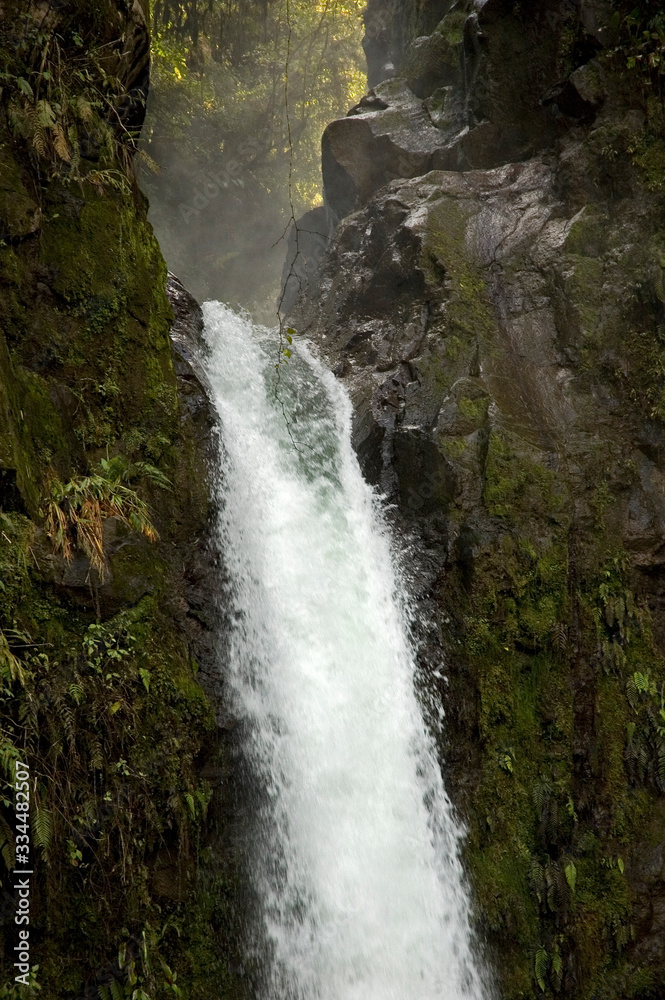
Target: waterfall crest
(356,860)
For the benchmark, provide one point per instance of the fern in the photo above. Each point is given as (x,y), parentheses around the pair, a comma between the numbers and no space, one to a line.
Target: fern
(537,880)
(631,693)
(152,166)
(76,693)
(45,114)
(542,793)
(117,992)
(96,755)
(540,967)
(560,636)
(11,667)
(60,143)
(609,612)
(75,513)
(75,147)
(557,968)
(558,887)
(7,844)
(36,129)
(660,763)
(42,827)
(83,110)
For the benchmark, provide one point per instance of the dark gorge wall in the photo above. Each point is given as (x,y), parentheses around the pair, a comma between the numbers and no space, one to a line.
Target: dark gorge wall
(106,608)
(494,299)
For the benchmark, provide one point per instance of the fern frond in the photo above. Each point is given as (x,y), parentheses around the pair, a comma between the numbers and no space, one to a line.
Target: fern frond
(76,510)
(660,764)
(7,844)
(117,992)
(540,967)
(96,755)
(152,166)
(42,827)
(60,143)
(609,612)
(10,666)
(37,131)
(557,969)
(45,114)
(560,636)
(631,693)
(76,693)
(83,110)
(75,147)
(537,882)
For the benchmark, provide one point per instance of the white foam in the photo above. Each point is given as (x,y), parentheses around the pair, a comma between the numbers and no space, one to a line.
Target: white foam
(358,871)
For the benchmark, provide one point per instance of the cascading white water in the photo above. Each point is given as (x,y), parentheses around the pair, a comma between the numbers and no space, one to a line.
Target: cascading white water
(357,866)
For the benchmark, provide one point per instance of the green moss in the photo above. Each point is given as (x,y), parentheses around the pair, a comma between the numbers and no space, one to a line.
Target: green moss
(110,713)
(453,447)
(452,27)
(468,310)
(517,485)
(475,410)
(530,613)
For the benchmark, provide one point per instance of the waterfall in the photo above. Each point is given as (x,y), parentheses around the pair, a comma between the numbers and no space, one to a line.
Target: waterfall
(356,846)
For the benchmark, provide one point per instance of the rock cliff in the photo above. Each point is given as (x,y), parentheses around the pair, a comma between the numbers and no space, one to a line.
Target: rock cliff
(493,297)
(105,630)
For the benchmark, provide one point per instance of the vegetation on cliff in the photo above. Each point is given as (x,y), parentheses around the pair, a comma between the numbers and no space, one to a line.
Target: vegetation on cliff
(103,496)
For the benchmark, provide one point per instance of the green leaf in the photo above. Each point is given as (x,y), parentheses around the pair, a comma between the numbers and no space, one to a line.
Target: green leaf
(42,827)
(571,875)
(620,865)
(540,968)
(145,676)
(24,87)
(557,962)
(114,707)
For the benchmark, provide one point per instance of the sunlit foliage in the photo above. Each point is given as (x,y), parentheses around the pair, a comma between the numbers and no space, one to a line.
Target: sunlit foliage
(231,80)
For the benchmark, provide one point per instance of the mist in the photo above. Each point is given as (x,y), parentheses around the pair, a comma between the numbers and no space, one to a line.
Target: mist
(230,152)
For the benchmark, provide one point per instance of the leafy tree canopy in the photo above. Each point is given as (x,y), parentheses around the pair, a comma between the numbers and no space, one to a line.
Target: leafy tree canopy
(241,93)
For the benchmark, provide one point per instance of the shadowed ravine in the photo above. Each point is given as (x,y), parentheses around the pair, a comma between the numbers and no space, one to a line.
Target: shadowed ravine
(356,864)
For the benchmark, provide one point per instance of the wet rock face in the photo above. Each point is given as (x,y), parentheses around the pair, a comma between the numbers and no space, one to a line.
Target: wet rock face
(493,299)
(492,83)
(457,305)
(307,243)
